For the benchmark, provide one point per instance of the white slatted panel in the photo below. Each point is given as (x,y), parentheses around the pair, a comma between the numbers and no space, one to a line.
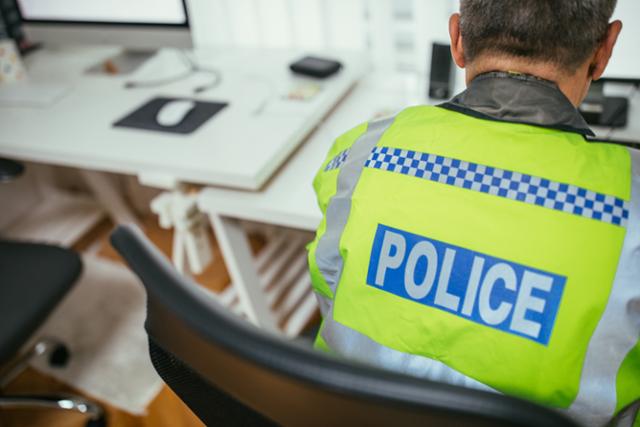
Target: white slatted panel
(405,34)
(243,19)
(275,23)
(432,25)
(398,33)
(345,23)
(381,44)
(307,17)
(209,23)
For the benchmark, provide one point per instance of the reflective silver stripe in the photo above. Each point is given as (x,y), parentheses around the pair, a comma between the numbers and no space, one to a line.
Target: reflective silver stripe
(328,251)
(354,345)
(324,303)
(619,328)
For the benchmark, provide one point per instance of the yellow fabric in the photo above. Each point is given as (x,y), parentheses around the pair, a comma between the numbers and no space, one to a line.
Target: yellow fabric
(319,343)
(324,185)
(586,251)
(628,383)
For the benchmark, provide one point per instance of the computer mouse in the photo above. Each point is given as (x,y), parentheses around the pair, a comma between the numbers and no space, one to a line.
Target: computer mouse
(174,112)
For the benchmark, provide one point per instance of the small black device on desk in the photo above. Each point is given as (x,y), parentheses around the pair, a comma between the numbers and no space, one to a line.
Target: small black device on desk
(600,110)
(314,66)
(623,142)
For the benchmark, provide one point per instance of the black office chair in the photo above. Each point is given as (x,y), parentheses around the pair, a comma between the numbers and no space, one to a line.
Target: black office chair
(33,280)
(231,373)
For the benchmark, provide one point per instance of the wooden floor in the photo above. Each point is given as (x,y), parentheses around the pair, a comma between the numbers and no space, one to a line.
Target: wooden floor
(166,410)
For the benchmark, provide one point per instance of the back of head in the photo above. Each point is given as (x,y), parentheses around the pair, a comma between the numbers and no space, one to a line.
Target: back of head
(564,33)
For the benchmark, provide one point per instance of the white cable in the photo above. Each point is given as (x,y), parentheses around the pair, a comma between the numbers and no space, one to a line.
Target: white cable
(192,68)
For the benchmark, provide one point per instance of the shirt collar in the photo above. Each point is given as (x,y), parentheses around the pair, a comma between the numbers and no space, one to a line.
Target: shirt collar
(519,98)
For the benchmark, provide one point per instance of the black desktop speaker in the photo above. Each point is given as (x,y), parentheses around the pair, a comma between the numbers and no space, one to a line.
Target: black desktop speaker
(442,75)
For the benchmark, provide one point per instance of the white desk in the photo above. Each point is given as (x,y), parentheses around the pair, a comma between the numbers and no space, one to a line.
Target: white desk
(288,199)
(229,151)
(240,147)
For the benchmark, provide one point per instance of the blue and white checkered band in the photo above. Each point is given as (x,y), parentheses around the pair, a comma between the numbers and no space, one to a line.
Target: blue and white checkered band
(337,161)
(529,189)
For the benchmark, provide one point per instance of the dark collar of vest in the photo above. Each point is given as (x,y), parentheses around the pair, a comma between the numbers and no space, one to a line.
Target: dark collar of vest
(519,98)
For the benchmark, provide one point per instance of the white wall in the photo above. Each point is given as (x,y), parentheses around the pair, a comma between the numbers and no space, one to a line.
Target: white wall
(625,61)
(397,33)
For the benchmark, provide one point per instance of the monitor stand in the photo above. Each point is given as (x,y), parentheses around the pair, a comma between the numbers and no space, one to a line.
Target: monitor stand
(600,110)
(126,62)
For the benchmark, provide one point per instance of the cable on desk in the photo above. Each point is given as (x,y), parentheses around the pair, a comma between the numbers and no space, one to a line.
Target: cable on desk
(192,68)
(271,92)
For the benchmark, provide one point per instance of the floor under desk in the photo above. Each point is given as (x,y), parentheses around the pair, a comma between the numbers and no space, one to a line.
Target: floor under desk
(166,409)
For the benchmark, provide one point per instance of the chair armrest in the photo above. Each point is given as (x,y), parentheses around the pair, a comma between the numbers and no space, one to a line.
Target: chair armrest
(94,412)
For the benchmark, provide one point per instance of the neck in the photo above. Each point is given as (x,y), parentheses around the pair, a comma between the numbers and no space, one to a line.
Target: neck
(573,85)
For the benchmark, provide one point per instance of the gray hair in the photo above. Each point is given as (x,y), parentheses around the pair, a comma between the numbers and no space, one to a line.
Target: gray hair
(563,32)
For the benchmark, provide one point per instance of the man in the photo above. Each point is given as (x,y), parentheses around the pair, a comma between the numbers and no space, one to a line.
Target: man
(486,242)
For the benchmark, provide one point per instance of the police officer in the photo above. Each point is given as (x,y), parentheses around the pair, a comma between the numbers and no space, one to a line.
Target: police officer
(486,242)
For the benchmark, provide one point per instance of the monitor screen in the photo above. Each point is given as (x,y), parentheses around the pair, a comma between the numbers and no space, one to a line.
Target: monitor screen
(625,62)
(149,12)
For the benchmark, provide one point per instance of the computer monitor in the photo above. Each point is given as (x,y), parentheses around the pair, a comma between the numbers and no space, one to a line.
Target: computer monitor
(140,26)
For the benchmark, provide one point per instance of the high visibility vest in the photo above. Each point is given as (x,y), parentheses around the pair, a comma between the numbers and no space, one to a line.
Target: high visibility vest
(492,255)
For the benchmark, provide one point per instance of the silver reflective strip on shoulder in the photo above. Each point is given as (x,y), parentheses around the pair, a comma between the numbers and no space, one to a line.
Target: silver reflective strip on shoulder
(337,161)
(328,251)
(324,304)
(619,328)
(356,346)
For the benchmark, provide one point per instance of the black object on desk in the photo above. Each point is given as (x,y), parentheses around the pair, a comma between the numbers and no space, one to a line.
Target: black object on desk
(625,143)
(442,74)
(145,116)
(313,66)
(600,110)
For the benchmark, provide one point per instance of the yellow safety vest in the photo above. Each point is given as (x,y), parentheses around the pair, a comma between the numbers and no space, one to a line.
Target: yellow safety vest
(495,255)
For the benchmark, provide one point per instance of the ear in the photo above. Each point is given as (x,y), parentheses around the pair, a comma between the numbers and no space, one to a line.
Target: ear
(457,51)
(604,51)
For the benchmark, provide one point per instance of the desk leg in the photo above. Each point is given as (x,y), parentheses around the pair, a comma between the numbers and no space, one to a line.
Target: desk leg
(104,189)
(242,269)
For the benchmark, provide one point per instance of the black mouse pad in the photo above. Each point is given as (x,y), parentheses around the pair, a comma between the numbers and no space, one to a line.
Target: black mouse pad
(145,116)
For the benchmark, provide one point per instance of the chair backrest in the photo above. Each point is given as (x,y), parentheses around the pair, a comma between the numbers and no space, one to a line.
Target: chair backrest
(232,373)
